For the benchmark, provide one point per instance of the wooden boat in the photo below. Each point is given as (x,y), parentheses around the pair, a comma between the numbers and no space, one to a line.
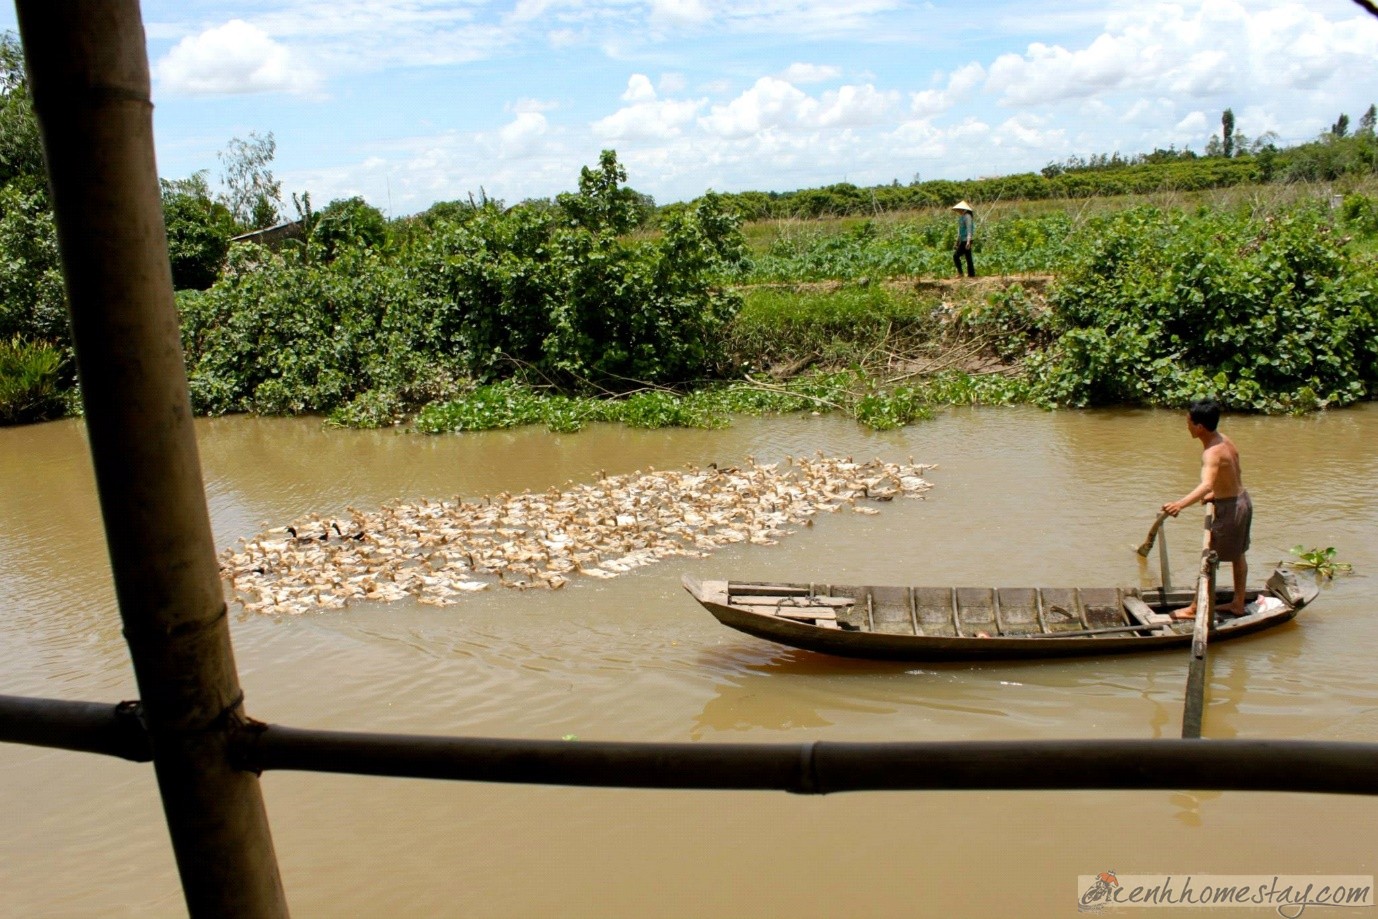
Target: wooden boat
(974,623)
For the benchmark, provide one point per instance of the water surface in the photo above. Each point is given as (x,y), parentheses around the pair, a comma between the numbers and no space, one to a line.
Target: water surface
(1021,497)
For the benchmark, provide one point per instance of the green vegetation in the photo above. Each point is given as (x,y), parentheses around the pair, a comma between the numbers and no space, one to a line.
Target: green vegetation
(30,382)
(1146,280)
(920,245)
(1321,561)
(505,405)
(344,323)
(1268,313)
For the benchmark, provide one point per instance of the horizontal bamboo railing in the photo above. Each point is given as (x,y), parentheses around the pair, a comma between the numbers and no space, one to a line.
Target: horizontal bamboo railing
(818,767)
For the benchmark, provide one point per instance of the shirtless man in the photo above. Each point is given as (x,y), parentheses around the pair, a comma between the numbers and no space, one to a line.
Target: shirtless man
(1223,483)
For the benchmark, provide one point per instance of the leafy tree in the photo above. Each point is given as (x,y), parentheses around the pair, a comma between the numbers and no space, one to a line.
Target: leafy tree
(198,231)
(1367,120)
(603,201)
(21,149)
(252,195)
(35,338)
(349,222)
(1227,146)
(33,303)
(1341,126)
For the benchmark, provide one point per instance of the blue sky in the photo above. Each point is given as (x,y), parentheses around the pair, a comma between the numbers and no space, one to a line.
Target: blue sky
(409,102)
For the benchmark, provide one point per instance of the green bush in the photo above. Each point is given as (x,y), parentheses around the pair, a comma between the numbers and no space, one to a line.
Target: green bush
(198,232)
(349,222)
(30,382)
(367,332)
(1360,214)
(1267,313)
(33,301)
(1014,324)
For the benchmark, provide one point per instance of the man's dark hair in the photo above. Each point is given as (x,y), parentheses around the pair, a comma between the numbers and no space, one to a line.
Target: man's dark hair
(1205,412)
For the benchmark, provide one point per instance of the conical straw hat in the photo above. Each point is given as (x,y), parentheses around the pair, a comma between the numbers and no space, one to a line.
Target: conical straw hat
(962,206)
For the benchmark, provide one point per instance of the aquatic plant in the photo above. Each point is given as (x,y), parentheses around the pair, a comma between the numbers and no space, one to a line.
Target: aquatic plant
(1321,561)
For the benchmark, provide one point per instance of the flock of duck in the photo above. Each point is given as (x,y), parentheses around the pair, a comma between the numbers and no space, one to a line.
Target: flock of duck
(435,551)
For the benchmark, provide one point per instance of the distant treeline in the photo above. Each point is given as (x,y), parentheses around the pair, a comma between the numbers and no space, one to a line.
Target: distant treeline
(1230,162)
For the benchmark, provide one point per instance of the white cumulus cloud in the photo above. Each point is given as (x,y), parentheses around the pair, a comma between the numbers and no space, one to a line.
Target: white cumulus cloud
(774,104)
(519,134)
(647,116)
(1196,49)
(810,73)
(960,86)
(639,89)
(236,57)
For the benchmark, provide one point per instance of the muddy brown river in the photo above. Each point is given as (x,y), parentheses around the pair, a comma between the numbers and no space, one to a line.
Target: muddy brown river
(1020,497)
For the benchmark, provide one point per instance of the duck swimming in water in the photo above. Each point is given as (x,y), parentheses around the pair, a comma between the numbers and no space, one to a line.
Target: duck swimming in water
(433,551)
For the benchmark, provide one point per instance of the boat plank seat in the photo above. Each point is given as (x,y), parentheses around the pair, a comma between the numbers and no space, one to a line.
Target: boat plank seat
(796,601)
(741,589)
(849,603)
(1143,614)
(803,613)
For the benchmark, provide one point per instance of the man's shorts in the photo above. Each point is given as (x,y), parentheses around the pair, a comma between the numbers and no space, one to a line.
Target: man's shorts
(1230,528)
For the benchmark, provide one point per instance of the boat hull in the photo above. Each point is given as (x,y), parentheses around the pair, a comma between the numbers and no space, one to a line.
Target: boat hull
(786,626)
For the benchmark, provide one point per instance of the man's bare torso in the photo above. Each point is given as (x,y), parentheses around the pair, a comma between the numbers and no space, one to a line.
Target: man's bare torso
(1227,480)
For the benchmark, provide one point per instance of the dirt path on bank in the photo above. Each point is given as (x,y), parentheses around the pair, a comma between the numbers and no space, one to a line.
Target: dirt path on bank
(958,288)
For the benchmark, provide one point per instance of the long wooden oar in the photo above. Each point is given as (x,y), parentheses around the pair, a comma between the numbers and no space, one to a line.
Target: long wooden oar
(1143,550)
(1205,614)
(1152,534)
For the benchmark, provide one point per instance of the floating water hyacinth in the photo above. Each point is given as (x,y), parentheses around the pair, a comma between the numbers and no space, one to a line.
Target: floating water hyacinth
(435,552)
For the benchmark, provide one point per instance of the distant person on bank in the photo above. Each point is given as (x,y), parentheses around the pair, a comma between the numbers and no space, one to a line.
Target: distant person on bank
(966,235)
(1222,481)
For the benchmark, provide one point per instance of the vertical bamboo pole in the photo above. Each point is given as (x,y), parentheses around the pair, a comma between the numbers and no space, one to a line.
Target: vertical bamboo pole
(1193,708)
(88,71)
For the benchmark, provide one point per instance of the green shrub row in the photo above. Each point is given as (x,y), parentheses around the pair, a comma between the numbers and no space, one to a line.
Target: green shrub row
(529,292)
(852,392)
(1323,160)
(1269,313)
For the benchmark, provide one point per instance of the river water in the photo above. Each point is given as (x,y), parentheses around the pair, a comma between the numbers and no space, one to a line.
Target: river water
(1020,497)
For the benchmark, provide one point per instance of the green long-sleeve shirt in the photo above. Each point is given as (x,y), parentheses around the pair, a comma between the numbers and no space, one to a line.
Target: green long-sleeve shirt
(966,227)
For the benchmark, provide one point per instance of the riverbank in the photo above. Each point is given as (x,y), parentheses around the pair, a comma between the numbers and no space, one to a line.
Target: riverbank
(510,317)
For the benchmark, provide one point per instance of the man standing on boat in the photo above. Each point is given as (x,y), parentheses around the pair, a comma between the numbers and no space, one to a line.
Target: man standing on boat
(966,235)
(1222,482)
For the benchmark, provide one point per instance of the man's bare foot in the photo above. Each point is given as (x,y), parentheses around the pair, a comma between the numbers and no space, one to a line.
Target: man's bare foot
(1231,609)
(1185,613)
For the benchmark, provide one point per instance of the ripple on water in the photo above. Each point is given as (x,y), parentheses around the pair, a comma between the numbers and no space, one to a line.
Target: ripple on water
(1021,497)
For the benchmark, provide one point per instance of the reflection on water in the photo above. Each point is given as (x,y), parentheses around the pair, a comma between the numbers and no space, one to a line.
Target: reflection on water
(792,690)
(1021,498)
